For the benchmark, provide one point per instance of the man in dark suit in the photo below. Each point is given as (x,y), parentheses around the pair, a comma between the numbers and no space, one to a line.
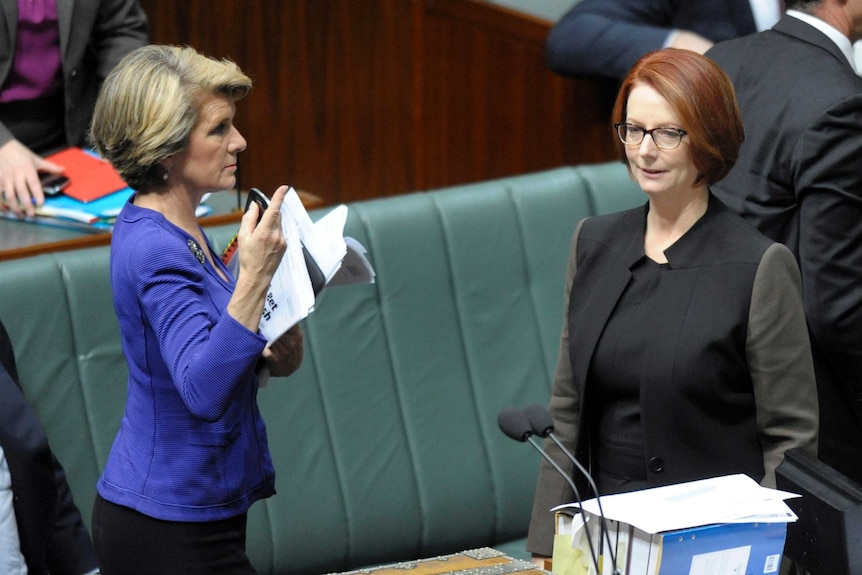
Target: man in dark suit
(54,55)
(799,180)
(52,537)
(606,37)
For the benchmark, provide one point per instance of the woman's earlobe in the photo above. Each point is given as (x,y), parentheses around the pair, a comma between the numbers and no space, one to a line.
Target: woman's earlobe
(165,171)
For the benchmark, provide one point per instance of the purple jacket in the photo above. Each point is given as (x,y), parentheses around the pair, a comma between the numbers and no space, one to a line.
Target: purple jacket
(192,444)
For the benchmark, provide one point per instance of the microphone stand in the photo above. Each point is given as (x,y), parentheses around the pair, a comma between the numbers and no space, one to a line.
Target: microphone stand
(596,559)
(602,520)
(516,425)
(542,425)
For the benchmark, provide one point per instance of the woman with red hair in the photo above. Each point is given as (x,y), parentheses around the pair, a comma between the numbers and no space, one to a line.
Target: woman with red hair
(684,352)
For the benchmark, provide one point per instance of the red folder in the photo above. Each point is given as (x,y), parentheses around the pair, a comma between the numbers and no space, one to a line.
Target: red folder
(90,178)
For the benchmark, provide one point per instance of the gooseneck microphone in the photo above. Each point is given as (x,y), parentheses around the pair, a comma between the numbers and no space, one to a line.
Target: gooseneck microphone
(542,424)
(515,424)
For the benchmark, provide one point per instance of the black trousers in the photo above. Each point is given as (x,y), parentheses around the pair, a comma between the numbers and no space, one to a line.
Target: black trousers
(131,543)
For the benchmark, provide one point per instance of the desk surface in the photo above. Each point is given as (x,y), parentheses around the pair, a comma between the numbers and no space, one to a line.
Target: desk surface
(23,239)
(482,561)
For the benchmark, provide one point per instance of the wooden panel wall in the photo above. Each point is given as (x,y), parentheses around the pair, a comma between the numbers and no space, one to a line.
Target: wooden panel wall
(362,98)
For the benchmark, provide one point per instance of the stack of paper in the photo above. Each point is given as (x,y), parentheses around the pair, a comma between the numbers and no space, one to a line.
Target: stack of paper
(95,216)
(720,526)
(99,213)
(727,499)
(92,199)
(317,255)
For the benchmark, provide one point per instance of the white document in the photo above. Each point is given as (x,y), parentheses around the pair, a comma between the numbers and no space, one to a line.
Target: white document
(323,239)
(355,267)
(728,499)
(290,298)
(342,261)
(724,562)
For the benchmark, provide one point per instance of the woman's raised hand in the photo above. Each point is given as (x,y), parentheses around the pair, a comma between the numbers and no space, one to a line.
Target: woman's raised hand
(261,241)
(261,248)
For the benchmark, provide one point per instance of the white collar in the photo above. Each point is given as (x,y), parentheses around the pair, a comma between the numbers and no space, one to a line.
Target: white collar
(839,39)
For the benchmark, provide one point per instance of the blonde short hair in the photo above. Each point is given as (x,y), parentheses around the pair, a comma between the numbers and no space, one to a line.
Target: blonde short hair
(148,106)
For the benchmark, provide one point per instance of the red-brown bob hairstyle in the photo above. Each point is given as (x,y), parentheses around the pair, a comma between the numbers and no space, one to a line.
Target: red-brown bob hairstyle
(702,96)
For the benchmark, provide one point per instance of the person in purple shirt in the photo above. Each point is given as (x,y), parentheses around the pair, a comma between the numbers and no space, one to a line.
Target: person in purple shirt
(191,455)
(54,55)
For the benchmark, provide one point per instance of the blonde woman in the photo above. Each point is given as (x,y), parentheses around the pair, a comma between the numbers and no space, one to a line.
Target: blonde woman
(191,455)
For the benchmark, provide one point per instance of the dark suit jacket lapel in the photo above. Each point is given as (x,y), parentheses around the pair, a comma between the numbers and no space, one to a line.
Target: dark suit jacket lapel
(8,31)
(64,23)
(685,258)
(796,28)
(589,322)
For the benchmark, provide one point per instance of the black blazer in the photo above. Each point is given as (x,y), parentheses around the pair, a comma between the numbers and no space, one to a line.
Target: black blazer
(729,383)
(799,180)
(53,537)
(606,37)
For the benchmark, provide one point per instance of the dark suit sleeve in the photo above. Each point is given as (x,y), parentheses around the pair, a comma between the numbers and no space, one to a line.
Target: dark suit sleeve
(121,26)
(53,535)
(552,489)
(779,359)
(606,37)
(826,166)
(70,551)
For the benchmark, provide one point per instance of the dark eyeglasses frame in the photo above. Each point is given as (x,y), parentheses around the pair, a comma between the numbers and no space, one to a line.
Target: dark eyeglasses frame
(623,127)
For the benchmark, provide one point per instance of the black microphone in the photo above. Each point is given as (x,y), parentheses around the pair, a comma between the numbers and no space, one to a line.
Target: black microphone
(515,424)
(542,424)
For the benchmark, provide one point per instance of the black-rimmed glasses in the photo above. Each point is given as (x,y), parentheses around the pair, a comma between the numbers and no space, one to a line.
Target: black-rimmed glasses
(664,138)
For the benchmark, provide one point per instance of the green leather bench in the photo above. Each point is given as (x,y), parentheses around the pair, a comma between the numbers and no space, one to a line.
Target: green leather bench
(385,441)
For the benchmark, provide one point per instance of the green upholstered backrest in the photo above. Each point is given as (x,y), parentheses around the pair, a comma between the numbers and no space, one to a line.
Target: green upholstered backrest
(385,441)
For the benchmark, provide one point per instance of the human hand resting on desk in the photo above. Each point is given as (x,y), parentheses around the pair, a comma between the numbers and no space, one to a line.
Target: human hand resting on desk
(284,356)
(19,178)
(261,248)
